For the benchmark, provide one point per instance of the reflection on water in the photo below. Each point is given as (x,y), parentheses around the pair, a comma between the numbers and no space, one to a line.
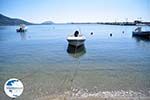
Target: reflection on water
(23,35)
(138,39)
(76,52)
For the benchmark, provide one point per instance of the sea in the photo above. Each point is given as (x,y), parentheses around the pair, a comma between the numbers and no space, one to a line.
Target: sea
(106,66)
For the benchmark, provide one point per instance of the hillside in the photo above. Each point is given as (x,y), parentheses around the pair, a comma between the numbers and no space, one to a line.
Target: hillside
(12,21)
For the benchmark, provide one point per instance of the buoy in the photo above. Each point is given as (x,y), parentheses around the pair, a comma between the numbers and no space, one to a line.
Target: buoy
(91,33)
(123,32)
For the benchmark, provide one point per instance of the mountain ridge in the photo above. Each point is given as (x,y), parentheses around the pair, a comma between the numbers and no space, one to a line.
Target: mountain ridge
(4,20)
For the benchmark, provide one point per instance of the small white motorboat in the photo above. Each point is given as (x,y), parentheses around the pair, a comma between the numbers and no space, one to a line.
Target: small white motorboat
(22,28)
(138,32)
(77,39)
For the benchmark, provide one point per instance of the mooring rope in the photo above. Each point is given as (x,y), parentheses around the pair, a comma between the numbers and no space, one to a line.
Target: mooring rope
(74,72)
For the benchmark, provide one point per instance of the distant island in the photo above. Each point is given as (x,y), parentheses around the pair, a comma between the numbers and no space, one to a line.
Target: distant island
(47,23)
(4,20)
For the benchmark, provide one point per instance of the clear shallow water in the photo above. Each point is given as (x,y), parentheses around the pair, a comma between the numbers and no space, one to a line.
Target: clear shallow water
(40,59)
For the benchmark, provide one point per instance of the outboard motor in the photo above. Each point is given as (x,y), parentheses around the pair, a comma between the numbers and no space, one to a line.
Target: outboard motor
(76,34)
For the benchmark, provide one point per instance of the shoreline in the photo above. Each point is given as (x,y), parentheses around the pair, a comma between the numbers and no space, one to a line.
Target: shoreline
(80,95)
(65,97)
(92,98)
(76,94)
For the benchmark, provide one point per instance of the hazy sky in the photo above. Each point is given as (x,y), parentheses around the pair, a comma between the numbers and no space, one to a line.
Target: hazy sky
(76,10)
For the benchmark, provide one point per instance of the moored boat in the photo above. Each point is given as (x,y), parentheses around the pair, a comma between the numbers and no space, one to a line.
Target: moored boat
(76,39)
(22,28)
(138,32)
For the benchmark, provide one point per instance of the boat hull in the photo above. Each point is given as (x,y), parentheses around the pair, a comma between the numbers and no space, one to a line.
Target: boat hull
(145,34)
(76,42)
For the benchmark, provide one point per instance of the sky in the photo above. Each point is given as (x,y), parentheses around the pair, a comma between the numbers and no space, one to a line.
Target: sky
(64,11)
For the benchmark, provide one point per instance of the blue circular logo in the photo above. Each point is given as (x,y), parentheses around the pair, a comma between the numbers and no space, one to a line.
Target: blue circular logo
(13,88)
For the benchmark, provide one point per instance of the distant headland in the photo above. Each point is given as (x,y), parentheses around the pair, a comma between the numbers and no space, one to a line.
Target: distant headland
(4,20)
(12,21)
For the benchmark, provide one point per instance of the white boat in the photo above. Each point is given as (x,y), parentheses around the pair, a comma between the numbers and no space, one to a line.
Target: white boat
(22,28)
(77,39)
(138,32)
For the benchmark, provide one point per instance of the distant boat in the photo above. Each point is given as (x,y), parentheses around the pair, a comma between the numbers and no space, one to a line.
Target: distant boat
(77,39)
(22,28)
(138,32)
